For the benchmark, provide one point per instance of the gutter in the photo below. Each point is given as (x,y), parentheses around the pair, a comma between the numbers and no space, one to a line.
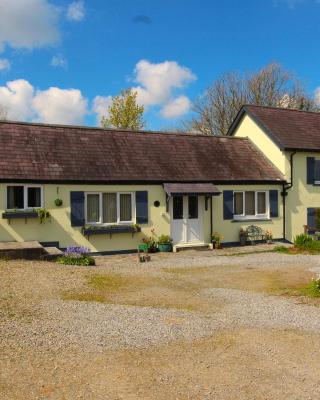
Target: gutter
(284,193)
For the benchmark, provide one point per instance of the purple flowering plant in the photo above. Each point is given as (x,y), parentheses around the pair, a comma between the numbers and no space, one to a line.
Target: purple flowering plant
(76,251)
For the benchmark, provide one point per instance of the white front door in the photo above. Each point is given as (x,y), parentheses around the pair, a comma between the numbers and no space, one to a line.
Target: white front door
(186,219)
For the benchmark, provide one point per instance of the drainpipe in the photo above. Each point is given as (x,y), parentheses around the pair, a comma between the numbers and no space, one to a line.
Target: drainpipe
(210,216)
(284,193)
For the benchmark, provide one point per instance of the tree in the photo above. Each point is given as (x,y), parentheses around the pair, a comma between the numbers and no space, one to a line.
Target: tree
(271,86)
(124,112)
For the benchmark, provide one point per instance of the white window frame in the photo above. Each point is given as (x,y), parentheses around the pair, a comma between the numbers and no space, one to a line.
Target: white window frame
(25,196)
(118,222)
(243,216)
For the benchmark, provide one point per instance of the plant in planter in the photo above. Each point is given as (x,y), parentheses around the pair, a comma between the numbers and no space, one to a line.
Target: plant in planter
(243,237)
(43,215)
(216,239)
(58,202)
(269,236)
(151,241)
(164,243)
(76,255)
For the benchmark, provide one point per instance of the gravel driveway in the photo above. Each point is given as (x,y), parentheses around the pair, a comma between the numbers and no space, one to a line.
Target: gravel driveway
(153,322)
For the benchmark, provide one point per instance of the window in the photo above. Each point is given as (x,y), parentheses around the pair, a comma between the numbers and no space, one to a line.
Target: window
(177,207)
(250,204)
(193,207)
(23,197)
(109,208)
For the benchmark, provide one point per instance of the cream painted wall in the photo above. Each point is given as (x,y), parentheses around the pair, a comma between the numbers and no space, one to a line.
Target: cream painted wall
(230,229)
(248,128)
(59,227)
(301,196)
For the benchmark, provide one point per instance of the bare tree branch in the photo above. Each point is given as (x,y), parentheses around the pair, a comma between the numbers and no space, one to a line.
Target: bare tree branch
(271,86)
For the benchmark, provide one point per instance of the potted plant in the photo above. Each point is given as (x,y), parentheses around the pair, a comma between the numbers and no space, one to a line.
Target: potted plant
(269,236)
(43,215)
(151,241)
(216,239)
(58,202)
(243,237)
(164,243)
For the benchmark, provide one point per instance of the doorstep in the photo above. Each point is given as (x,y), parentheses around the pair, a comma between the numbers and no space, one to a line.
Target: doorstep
(192,246)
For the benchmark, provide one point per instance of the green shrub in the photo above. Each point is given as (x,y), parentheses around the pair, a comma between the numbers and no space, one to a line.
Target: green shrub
(313,289)
(303,240)
(84,260)
(306,242)
(164,239)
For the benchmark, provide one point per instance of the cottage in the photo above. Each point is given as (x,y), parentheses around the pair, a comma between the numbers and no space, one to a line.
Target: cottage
(291,141)
(107,189)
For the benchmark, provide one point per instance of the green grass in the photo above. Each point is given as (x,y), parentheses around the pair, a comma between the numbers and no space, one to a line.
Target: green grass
(312,289)
(84,297)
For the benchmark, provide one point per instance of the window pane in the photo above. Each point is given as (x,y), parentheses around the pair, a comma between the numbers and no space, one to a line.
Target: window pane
(93,208)
(193,207)
(109,204)
(125,207)
(34,197)
(15,197)
(177,207)
(317,170)
(262,207)
(238,203)
(250,207)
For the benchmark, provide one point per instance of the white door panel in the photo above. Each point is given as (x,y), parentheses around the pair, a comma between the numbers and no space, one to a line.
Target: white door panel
(186,219)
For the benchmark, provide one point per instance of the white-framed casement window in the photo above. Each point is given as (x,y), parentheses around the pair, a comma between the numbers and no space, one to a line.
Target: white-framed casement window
(251,204)
(24,197)
(110,208)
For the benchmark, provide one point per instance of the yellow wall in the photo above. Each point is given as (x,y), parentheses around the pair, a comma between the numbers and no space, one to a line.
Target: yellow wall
(230,229)
(248,128)
(301,196)
(59,227)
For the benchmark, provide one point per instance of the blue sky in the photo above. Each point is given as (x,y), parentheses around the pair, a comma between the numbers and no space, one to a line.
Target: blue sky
(62,61)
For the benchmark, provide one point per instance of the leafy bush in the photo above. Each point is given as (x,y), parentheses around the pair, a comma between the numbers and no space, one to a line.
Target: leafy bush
(303,240)
(84,260)
(313,289)
(76,255)
(164,239)
(306,242)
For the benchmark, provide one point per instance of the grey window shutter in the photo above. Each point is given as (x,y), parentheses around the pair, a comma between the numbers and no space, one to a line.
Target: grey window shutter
(142,207)
(77,208)
(310,170)
(227,204)
(274,206)
(311,217)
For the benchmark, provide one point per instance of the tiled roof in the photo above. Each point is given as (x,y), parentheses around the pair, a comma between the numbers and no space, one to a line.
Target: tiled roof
(38,152)
(290,129)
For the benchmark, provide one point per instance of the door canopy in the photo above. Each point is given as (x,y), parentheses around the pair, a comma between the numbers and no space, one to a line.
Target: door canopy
(198,189)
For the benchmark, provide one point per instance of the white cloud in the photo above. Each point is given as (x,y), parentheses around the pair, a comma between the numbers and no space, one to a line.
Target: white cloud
(4,64)
(55,105)
(157,81)
(28,24)
(76,11)
(100,106)
(59,61)
(176,107)
(17,98)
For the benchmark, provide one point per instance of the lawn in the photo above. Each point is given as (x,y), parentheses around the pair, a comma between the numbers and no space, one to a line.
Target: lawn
(184,326)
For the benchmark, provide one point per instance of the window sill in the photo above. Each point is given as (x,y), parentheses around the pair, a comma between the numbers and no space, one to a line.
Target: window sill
(19,214)
(103,230)
(246,220)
